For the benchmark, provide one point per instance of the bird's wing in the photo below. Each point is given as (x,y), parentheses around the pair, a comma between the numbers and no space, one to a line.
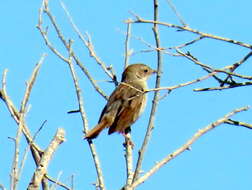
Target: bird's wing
(120,99)
(132,99)
(121,111)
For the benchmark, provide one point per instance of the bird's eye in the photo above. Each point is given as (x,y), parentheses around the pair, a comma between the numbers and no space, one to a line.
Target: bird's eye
(146,70)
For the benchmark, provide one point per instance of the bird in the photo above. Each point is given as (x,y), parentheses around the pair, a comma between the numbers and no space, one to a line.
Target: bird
(126,103)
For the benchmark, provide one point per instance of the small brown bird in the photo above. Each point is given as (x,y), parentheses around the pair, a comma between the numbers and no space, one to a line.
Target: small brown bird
(126,103)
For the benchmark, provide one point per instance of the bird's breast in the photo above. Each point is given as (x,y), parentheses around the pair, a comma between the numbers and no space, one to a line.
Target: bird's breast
(143,104)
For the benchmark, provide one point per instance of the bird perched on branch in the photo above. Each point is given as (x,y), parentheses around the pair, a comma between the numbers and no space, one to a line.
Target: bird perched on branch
(126,103)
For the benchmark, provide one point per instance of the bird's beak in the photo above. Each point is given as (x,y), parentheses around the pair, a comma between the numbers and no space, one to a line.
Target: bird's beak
(154,71)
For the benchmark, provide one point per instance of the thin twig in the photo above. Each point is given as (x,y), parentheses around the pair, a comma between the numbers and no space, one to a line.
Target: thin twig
(183,84)
(2,187)
(44,32)
(235,66)
(58,183)
(127,52)
(210,69)
(155,98)
(235,85)
(188,43)
(44,8)
(243,60)
(149,45)
(87,42)
(57,180)
(15,115)
(181,20)
(22,164)
(186,28)
(30,83)
(85,122)
(15,169)
(128,145)
(186,146)
(239,123)
(35,149)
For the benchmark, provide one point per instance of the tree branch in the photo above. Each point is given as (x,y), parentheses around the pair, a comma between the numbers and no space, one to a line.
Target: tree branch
(45,159)
(89,45)
(156,95)
(187,145)
(15,169)
(92,148)
(187,28)
(44,8)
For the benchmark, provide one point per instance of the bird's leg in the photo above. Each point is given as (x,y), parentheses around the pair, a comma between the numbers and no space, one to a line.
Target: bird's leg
(128,141)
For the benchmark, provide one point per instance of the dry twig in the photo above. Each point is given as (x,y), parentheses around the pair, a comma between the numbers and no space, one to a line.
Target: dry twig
(186,146)
(187,28)
(44,8)
(45,158)
(181,20)
(156,95)
(86,39)
(92,148)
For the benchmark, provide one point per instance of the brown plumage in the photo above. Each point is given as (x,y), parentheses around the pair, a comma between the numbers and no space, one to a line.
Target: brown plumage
(126,103)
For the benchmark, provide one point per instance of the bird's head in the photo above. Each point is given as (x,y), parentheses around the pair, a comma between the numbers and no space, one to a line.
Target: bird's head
(137,72)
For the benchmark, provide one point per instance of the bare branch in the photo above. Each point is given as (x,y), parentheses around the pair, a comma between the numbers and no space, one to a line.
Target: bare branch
(88,43)
(243,60)
(187,145)
(45,158)
(22,164)
(128,142)
(30,83)
(234,85)
(181,20)
(57,182)
(84,120)
(2,187)
(15,114)
(35,149)
(239,123)
(187,28)
(129,160)
(235,66)
(44,8)
(210,69)
(188,43)
(127,53)
(15,170)
(156,95)
(183,84)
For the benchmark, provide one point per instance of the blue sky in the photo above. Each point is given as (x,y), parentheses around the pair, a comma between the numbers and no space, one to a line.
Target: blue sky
(219,160)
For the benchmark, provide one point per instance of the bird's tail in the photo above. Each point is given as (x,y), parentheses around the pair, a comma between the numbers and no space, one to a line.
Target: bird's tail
(93,133)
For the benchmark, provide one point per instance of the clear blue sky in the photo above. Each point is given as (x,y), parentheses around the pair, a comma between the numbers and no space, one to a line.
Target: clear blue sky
(219,160)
